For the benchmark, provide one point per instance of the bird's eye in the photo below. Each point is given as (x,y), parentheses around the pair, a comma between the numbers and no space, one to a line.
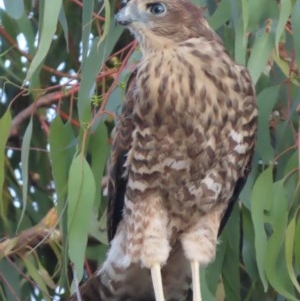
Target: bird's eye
(156,8)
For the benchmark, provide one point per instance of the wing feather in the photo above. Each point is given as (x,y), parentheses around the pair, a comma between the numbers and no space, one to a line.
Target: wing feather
(117,174)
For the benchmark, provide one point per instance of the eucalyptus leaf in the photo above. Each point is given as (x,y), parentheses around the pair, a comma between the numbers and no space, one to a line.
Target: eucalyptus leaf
(81,195)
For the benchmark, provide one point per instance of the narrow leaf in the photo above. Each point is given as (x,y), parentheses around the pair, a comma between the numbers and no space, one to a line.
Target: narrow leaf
(262,195)
(13,278)
(266,101)
(34,273)
(107,21)
(295,20)
(90,69)
(24,160)
(99,152)
(289,252)
(5,123)
(81,195)
(50,17)
(275,264)
(285,68)
(206,294)
(230,272)
(64,24)
(62,150)
(248,247)
(87,13)
(221,15)
(297,245)
(15,8)
(285,11)
(260,54)
(245,15)
(240,45)
(235,6)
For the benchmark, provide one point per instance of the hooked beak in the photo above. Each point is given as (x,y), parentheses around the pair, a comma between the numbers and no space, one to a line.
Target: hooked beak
(123,17)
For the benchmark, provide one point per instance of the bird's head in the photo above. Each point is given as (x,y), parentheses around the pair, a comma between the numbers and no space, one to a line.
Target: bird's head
(163,21)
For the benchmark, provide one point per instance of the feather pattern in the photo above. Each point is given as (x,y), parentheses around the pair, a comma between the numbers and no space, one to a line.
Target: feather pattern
(181,152)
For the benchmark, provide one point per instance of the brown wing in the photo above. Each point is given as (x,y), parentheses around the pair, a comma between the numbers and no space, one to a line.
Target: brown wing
(242,180)
(237,190)
(117,174)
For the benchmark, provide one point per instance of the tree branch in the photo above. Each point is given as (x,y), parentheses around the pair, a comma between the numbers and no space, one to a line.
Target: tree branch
(31,238)
(44,101)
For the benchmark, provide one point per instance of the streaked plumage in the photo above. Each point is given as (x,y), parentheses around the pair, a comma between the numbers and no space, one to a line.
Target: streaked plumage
(181,152)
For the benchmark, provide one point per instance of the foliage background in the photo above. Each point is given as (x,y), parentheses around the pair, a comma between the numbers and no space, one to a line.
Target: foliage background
(63,67)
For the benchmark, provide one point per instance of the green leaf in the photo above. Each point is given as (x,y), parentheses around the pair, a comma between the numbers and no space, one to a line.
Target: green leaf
(240,45)
(266,101)
(206,294)
(62,151)
(230,271)
(235,6)
(5,123)
(297,245)
(107,21)
(87,14)
(25,26)
(99,150)
(12,277)
(214,269)
(49,22)
(245,15)
(97,253)
(260,11)
(241,37)
(295,20)
(289,251)
(81,195)
(248,247)
(64,24)
(24,160)
(274,265)
(34,273)
(15,8)
(221,15)
(260,54)
(285,68)
(90,69)
(285,11)
(261,199)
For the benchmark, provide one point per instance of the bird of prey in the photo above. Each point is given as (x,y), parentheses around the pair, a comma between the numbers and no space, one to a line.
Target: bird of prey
(180,155)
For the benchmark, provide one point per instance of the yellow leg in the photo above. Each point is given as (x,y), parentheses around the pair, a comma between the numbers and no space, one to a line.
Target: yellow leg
(157,283)
(196,281)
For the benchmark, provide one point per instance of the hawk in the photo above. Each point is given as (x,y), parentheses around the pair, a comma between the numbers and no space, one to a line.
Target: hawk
(181,153)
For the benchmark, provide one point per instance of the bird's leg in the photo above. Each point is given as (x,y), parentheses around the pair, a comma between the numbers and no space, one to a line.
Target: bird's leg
(155,248)
(196,280)
(199,244)
(157,282)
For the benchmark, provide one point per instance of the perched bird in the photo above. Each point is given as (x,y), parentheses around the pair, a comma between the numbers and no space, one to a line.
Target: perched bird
(181,153)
